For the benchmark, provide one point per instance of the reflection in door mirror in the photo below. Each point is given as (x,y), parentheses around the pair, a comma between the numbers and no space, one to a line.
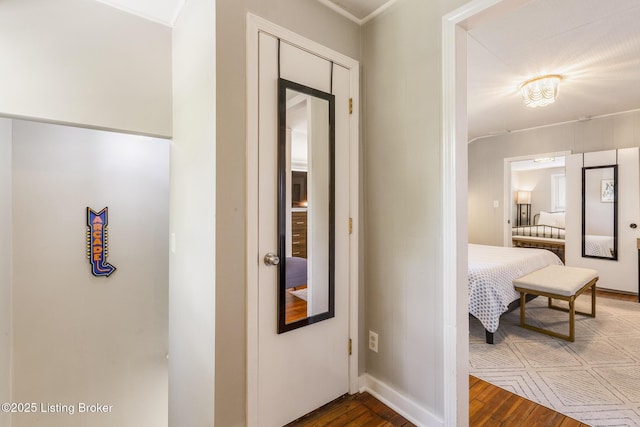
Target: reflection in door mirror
(306,200)
(600,212)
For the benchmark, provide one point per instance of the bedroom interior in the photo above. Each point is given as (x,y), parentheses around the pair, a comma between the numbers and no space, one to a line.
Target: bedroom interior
(597,136)
(388,247)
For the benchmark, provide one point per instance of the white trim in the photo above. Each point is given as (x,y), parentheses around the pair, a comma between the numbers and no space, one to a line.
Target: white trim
(176,12)
(301,42)
(581,119)
(341,11)
(251,225)
(400,403)
(378,11)
(354,244)
(455,409)
(507,203)
(255,25)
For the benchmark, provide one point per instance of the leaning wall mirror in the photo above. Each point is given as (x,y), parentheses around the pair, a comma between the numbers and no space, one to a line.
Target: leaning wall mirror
(600,212)
(306,217)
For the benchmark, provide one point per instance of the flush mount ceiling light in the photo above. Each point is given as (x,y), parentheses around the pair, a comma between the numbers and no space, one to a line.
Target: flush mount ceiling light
(540,91)
(544,159)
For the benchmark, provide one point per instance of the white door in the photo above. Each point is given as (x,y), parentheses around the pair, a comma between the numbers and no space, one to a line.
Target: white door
(301,369)
(620,274)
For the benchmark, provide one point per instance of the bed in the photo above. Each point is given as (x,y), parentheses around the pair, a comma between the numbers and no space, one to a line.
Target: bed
(492,270)
(296,272)
(547,232)
(599,246)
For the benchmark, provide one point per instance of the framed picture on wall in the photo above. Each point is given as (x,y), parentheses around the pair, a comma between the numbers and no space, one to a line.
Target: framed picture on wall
(606,190)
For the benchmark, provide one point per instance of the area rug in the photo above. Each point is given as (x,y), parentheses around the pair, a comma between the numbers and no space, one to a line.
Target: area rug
(595,379)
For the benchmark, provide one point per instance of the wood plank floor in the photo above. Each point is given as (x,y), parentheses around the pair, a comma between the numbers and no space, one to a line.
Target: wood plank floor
(615,295)
(355,410)
(296,308)
(493,406)
(488,406)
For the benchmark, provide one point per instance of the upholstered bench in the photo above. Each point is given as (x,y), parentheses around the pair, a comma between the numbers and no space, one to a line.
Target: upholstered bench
(558,282)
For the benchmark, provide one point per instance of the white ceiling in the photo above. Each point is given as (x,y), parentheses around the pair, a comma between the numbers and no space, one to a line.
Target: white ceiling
(162,11)
(594,44)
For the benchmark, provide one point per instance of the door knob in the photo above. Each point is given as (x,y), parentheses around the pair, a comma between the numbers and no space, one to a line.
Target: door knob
(633,225)
(271,259)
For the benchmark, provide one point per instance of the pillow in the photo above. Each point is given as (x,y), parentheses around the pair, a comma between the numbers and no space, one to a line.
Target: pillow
(553,219)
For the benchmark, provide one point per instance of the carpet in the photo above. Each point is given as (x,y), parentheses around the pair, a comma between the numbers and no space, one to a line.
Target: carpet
(595,379)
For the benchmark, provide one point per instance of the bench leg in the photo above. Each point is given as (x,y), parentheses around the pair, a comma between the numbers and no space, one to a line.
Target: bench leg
(572,319)
(523,303)
(571,310)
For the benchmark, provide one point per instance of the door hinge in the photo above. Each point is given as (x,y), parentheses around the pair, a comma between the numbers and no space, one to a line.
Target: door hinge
(350,105)
(349,346)
(350,225)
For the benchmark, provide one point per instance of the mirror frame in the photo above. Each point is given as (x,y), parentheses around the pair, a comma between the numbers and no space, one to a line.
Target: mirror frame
(615,212)
(283,85)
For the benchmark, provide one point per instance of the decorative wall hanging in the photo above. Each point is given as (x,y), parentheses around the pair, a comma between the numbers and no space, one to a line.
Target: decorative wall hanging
(97,242)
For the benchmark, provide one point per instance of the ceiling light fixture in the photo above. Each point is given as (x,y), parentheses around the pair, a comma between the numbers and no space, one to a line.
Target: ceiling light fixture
(540,91)
(544,159)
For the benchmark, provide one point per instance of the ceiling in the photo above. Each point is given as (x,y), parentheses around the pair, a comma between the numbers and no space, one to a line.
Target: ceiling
(593,44)
(161,11)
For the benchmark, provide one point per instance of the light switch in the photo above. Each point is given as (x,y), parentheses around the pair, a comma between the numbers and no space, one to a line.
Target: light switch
(496,203)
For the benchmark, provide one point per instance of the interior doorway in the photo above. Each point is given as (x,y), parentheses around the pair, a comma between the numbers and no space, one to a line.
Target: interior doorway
(268,349)
(532,184)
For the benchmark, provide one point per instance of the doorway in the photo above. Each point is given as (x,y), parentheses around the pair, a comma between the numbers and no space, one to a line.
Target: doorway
(285,370)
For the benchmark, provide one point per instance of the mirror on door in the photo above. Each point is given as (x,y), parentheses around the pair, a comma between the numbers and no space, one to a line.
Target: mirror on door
(306,217)
(600,212)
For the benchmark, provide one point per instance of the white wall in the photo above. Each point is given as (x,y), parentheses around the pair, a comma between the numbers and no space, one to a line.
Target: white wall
(538,181)
(193,217)
(78,61)
(316,22)
(486,162)
(403,231)
(76,337)
(5,266)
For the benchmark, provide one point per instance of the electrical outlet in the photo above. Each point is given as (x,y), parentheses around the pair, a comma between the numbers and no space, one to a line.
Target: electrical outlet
(373,341)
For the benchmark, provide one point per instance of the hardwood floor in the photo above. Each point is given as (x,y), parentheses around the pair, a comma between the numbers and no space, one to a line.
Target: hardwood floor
(355,410)
(296,308)
(489,405)
(616,295)
(492,406)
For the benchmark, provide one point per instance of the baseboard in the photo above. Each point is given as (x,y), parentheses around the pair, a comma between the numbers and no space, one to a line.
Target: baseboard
(399,402)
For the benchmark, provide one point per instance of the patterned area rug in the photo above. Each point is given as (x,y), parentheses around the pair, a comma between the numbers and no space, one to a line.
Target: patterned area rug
(595,379)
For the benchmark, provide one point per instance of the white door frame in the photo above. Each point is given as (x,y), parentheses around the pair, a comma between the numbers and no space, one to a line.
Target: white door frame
(255,25)
(454,205)
(454,212)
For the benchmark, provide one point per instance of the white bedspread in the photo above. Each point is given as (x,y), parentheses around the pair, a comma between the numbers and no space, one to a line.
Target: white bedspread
(492,270)
(601,246)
